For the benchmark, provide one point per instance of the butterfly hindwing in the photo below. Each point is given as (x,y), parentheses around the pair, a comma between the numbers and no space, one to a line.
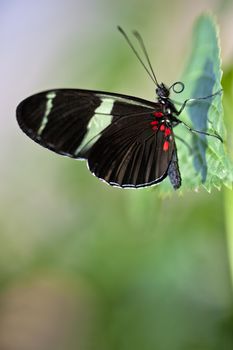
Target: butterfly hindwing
(131,154)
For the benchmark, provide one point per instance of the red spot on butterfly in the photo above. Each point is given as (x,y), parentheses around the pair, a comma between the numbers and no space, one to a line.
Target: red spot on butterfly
(167,132)
(166,146)
(154,125)
(158,114)
(162,127)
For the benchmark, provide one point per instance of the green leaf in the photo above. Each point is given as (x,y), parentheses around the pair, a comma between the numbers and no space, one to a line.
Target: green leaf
(207,164)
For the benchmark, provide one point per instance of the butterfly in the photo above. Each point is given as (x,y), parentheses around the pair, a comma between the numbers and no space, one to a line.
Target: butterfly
(127,141)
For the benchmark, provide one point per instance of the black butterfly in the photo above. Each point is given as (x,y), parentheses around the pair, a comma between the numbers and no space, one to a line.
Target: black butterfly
(127,141)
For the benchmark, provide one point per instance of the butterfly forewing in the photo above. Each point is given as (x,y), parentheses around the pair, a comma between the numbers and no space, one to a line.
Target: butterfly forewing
(67,120)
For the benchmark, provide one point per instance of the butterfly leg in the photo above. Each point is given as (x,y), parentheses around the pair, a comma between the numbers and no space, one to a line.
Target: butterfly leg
(202,132)
(185,143)
(197,99)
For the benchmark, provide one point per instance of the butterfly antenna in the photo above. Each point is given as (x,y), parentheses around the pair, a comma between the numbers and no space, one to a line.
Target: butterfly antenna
(141,43)
(152,76)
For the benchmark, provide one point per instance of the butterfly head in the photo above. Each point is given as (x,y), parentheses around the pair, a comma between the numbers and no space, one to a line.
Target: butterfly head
(162,91)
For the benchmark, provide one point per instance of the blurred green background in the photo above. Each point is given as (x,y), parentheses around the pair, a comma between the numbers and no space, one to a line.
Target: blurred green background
(83,265)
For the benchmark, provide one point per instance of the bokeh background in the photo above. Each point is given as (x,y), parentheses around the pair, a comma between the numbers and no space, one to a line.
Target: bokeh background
(83,265)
